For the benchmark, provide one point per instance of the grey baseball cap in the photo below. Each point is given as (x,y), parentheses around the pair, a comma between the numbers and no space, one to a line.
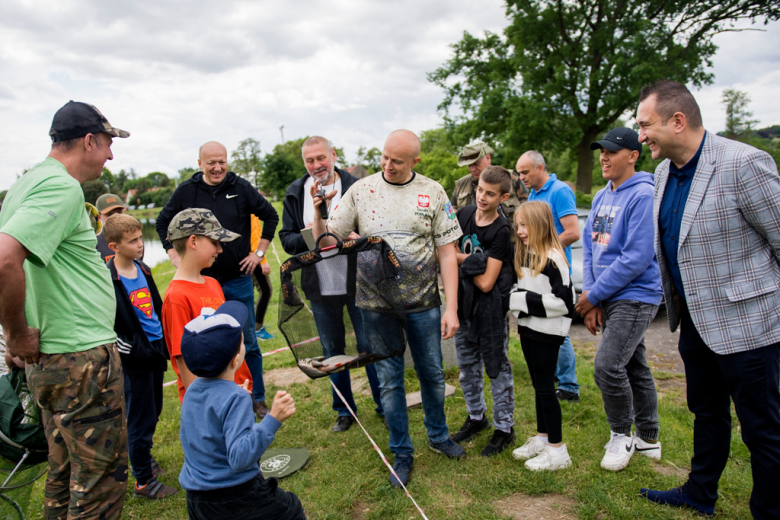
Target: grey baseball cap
(199,221)
(473,152)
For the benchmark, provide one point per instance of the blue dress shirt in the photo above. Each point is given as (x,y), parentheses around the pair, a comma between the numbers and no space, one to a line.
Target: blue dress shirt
(678,185)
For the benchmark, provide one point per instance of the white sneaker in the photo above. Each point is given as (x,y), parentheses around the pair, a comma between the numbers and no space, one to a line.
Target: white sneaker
(532,447)
(550,459)
(648,449)
(619,450)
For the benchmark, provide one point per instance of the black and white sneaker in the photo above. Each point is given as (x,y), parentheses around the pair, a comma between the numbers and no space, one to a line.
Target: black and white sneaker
(648,449)
(500,441)
(470,428)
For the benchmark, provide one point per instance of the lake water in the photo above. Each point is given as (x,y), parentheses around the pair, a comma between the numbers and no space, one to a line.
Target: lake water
(153,250)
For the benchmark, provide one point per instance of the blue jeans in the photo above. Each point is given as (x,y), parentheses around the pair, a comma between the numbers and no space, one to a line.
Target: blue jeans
(241,290)
(423,332)
(564,372)
(329,317)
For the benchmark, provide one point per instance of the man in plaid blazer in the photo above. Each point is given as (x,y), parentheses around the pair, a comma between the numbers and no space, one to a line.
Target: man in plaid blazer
(717,240)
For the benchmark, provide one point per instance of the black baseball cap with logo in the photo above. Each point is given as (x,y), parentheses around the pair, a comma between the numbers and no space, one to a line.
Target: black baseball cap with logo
(78,119)
(617,139)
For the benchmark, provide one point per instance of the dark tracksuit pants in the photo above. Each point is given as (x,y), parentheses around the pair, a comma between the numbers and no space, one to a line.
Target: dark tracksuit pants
(143,402)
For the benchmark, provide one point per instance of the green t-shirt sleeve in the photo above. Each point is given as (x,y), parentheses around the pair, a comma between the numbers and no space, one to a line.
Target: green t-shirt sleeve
(48,214)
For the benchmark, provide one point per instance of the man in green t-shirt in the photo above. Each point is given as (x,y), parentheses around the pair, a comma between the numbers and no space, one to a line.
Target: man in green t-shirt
(57,310)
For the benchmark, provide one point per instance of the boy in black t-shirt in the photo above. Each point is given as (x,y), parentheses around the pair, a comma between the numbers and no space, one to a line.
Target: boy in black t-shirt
(485,258)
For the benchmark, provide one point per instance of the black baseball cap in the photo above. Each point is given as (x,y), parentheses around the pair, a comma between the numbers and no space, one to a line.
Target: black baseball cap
(78,119)
(619,138)
(210,341)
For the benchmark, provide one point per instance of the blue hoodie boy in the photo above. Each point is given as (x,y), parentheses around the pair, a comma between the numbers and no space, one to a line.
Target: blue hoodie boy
(618,256)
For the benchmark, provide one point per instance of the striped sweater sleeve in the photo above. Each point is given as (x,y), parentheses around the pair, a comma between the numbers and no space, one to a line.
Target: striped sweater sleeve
(559,301)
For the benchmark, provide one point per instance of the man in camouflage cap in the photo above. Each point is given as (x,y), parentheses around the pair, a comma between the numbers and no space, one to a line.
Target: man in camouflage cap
(200,222)
(57,309)
(108,204)
(476,156)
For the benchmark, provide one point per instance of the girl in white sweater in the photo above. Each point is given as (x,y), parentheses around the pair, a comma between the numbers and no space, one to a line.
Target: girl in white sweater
(543,301)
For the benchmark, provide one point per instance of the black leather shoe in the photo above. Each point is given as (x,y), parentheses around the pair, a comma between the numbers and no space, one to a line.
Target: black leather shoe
(343,423)
(565,395)
(260,409)
(499,442)
(470,428)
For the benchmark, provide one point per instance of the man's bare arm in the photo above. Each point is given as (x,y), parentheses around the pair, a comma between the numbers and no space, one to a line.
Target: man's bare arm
(571,230)
(449,276)
(21,340)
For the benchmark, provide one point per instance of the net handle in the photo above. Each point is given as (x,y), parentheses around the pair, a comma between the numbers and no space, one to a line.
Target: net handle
(339,243)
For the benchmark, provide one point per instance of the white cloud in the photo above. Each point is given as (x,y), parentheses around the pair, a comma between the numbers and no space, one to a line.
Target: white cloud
(177,73)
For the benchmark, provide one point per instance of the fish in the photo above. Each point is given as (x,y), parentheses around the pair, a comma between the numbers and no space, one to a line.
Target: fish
(307,367)
(334,363)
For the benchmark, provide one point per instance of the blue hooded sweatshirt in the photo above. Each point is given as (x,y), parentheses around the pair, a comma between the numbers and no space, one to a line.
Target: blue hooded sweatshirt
(618,256)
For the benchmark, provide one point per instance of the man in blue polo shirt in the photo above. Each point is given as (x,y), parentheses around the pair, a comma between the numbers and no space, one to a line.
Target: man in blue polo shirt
(547,188)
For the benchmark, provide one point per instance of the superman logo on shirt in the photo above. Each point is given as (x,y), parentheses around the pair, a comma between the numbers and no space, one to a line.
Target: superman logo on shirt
(142,300)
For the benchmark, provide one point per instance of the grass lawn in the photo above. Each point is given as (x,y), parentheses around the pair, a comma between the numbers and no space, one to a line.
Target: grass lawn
(346,478)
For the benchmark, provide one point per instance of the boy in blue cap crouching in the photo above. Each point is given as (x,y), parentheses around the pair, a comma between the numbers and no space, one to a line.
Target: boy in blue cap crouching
(222,445)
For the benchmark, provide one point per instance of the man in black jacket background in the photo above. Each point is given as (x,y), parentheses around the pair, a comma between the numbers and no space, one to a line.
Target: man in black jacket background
(233,200)
(320,160)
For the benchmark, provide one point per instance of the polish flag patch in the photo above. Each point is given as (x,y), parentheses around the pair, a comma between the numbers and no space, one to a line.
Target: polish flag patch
(423,201)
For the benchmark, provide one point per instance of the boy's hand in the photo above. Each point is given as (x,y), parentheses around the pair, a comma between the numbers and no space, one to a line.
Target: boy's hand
(593,320)
(583,306)
(245,386)
(283,406)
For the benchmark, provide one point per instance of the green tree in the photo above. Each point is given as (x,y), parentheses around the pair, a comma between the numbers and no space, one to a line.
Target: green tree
(282,167)
(341,158)
(158,180)
(93,189)
(738,118)
(246,159)
(186,173)
(108,179)
(562,73)
(120,179)
(369,159)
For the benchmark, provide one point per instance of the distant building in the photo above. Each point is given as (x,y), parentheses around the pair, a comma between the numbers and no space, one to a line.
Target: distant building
(358,171)
(131,194)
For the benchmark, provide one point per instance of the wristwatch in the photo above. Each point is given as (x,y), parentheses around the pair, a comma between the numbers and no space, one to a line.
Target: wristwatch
(260,254)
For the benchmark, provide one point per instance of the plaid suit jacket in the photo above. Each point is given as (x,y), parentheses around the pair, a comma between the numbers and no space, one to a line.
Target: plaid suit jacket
(729,247)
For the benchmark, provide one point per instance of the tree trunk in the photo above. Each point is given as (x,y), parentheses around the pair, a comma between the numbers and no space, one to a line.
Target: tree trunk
(585,163)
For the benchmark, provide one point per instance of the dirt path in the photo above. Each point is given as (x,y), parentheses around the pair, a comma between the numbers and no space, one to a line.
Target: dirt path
(661,344)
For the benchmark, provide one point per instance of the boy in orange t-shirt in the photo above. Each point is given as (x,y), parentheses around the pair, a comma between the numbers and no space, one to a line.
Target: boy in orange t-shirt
(196,235)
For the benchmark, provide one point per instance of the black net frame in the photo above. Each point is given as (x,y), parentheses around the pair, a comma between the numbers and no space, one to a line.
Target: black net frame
(347,268)
(20,464)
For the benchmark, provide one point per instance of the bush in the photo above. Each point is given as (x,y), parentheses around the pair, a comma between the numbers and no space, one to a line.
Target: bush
(584,200)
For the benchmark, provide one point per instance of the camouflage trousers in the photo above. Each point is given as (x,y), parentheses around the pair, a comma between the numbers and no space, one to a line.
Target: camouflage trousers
(81,395)
(472,380)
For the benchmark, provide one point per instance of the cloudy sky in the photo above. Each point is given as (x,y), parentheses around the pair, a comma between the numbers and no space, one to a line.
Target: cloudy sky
(176,73)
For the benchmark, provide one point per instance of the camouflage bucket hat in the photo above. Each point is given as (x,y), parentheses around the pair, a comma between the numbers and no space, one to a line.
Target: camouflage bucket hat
(201,222)
(78,119)
(473,152)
